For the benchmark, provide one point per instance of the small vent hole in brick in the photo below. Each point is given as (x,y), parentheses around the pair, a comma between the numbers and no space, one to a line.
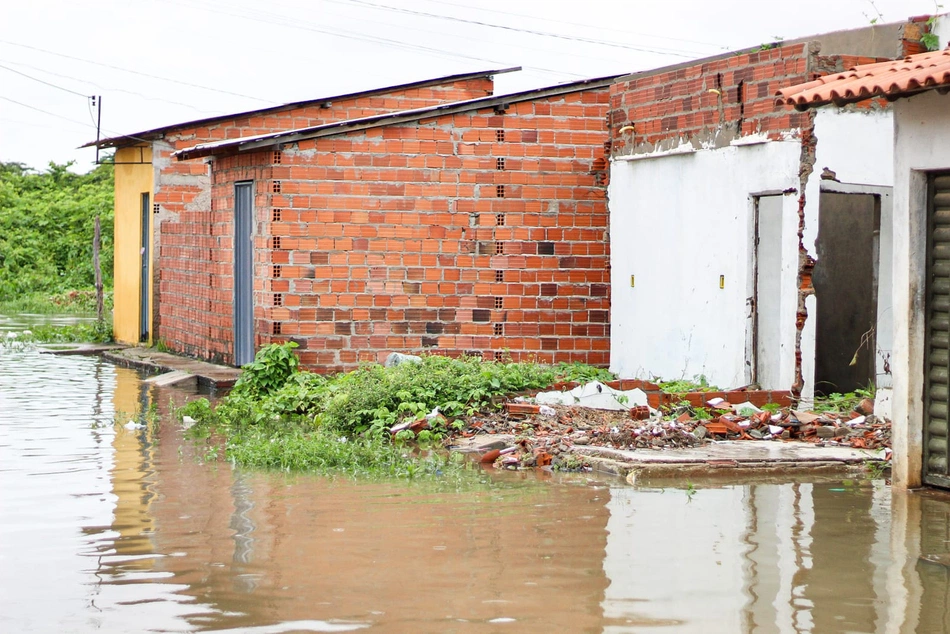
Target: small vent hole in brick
(278,299)
(500,191)
(499,303)
(499,135)
(499,329)
(156,208)
(499,248)
(500,220)
(277,326)
(545,248)
(276,187)
(500,163)
(277,157)
(275,215)
(499,276)
(275,242)
(499,356)
(277,270)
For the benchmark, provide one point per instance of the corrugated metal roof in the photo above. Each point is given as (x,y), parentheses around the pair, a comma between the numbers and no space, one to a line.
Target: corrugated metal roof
(891,80)
(351,125)
(155,133)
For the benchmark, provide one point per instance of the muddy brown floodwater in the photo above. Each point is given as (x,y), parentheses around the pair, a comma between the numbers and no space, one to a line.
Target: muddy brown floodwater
(105,529)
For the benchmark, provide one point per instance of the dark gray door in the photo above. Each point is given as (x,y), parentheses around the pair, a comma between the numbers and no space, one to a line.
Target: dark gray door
(145,273)
(243,274)
(937,333)
(845,280)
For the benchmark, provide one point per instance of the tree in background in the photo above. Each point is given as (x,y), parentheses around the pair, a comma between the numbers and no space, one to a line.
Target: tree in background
(46,229)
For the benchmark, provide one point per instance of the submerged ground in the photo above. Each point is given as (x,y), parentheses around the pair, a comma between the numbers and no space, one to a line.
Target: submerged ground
(104,528)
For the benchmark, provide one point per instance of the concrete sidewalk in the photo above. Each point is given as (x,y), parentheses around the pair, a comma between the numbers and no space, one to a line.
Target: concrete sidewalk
(209,375)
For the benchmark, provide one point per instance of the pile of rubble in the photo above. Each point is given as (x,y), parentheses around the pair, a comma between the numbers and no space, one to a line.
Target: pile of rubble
(548,433)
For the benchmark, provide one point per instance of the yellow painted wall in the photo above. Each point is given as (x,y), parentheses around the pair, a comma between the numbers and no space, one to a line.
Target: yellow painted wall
(133,177)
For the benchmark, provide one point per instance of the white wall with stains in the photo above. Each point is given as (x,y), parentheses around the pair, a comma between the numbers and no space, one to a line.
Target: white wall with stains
(678,223)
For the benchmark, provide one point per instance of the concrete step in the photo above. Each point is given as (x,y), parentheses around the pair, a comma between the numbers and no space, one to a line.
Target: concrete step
(178,377)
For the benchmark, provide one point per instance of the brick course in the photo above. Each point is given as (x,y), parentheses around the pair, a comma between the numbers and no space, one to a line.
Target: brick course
(414,237)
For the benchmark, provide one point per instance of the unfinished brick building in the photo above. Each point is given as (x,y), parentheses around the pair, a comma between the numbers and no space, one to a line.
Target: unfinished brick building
(151,188)
(477,227)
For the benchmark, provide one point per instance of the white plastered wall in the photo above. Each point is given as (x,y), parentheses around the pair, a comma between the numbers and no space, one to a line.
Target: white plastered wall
(678,223)
(922,144)
(858,147)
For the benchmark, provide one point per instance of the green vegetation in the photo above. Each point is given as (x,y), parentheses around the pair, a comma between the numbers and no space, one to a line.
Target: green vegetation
(836,402)
(46,230)
(698,384)
(278,416)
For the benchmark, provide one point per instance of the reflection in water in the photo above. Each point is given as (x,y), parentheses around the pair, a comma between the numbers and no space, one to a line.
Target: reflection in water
(115,530)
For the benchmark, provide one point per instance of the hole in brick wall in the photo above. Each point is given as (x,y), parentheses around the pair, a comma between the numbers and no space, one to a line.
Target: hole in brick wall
(276,328)
(499,276)
(156,208)
(499,329)
(499,248)
(275,215)
(276,270)
(277,156)
(500,220)
(500,163)
(499,356)
(278,299)
(545,248)
(499,135)
(275,242)
(276,187)
(499,303)
(500,191)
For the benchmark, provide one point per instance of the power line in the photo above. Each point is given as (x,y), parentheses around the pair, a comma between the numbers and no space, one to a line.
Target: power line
(12,70)
(135,72)
(47,112)
(107,88)
(580,24)
(341,33)
(560,36)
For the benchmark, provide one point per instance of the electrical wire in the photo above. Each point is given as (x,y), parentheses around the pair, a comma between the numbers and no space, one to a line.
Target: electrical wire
(136,72)
(106,88)
(560,36)
(578,24)
(47,112)
(12,70)
(268,18)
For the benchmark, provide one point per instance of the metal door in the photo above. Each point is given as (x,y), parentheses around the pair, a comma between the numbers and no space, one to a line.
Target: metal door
(767,293)
(243,274)
(145,269)
(937,333)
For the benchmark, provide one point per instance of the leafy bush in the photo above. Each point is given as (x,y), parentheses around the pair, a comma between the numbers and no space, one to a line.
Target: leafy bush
(279,416)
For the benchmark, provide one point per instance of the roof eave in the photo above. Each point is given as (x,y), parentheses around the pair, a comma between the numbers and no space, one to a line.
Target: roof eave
(406,116)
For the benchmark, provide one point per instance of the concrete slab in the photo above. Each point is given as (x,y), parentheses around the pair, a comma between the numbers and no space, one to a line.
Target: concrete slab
(208,374)
(729,460)
(69,349)
(178,377)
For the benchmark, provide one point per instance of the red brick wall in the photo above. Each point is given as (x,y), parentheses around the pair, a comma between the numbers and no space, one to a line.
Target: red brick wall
(734,94)
(713,102)
(183,188)
(392,239)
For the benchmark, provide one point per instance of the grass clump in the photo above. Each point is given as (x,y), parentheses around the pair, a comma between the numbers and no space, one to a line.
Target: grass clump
(682,386)
(840,403)
(91,332)
(279,416)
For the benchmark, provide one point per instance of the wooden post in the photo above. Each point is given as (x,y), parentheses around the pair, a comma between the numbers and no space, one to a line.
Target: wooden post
(96,244)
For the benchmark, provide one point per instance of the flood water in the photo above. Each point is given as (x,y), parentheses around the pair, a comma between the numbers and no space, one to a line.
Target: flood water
(104,529)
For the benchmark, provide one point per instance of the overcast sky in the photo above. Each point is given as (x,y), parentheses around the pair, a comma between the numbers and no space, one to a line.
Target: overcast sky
(157,62)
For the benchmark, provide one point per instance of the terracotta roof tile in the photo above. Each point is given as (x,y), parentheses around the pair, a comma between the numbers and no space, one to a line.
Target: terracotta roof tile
(891,80)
